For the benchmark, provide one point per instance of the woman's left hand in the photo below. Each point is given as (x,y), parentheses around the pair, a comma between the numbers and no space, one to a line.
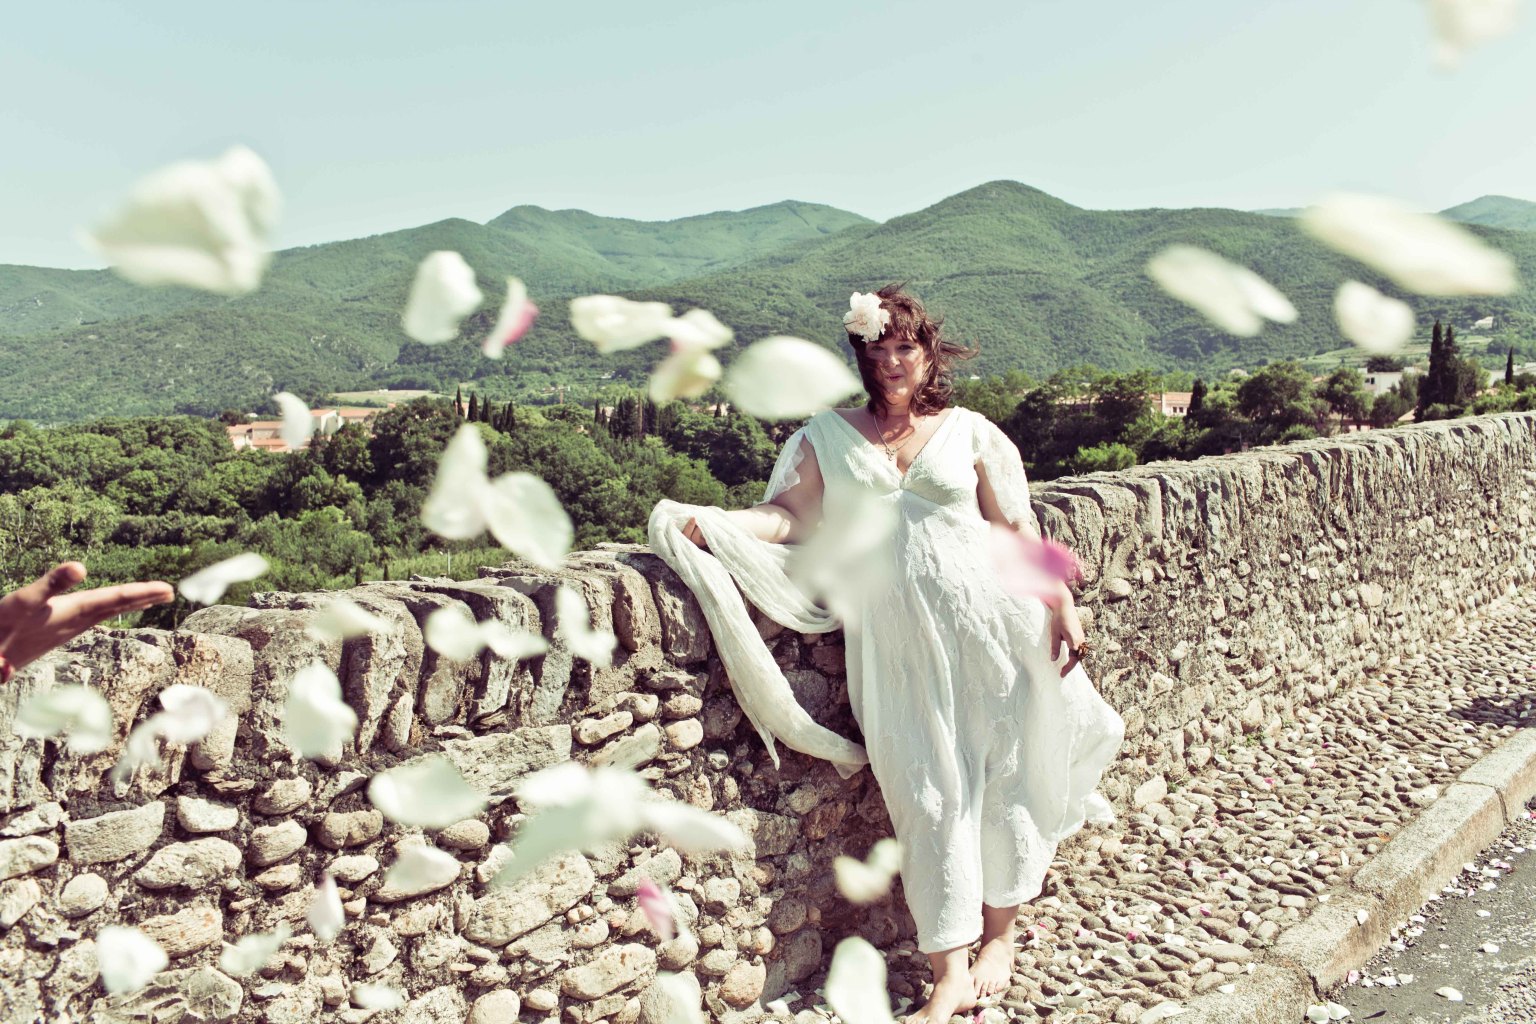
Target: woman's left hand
(1066,632)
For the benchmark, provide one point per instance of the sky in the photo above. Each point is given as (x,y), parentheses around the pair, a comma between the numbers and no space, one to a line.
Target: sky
(377,115)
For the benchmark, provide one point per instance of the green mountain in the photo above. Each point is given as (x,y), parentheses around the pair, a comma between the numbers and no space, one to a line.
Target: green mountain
(1035,282)
(1496,212)
(653,252)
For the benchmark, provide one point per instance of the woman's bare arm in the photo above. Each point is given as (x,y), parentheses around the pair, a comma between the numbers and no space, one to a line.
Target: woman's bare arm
(789,517)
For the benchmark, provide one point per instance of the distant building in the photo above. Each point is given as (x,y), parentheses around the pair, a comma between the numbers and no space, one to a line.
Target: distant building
(267,434)
(1174,403)
(1485,324)
(1379,382)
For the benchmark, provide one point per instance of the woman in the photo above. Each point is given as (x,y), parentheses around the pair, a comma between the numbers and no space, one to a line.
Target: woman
(986,750)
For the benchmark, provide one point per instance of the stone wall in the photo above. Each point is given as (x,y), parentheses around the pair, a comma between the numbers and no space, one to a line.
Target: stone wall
(1224,594)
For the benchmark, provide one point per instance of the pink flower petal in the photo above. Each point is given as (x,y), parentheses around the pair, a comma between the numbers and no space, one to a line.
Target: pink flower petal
(657,909)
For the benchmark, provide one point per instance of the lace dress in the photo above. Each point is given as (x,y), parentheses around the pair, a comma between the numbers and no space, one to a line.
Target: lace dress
(986,757)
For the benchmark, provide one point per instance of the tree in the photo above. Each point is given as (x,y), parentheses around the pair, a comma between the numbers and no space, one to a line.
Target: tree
(473,415)
(1196,397)
(458,403)
(1279,395)
(1345,393)
(1383,364)
(1509,367)
(1432,387)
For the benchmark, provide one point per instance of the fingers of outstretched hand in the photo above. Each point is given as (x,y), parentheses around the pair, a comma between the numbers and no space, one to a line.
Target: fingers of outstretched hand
(60,618)
(50,584)
(85,609)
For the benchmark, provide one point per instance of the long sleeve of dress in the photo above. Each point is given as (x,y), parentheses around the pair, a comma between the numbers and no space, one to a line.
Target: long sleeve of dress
(736,558)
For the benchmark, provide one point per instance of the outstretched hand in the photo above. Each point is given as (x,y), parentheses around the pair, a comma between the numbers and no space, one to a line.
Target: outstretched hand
(40,616)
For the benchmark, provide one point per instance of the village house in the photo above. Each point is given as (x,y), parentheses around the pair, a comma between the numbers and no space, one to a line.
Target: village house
(266,435)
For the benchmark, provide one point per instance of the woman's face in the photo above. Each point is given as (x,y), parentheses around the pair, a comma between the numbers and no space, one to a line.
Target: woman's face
(899,365)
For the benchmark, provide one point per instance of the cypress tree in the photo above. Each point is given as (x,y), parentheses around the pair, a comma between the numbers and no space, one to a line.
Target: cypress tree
(485,411)
(1197,397)
(458,403)
(511,417)
(1509,367)
(1430,386)
(474,410)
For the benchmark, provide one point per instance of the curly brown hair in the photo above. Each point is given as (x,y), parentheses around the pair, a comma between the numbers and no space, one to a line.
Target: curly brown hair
(910,322)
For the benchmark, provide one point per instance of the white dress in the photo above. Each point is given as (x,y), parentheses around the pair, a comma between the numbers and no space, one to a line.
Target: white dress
(985,755)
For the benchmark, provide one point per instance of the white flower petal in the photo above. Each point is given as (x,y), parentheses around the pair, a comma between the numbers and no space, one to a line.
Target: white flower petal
(141,749)
(613,323)
(698,328)
(250,953)
(316,721)
(191,712)
(1362,916)
(525,516)
(342,618)
(452,508)
(373,995)
(1317,1014)
(856,983)
(516,317)
(443,293)
(200,224)
(686,373)
(207,585)
(689,829)
(682,998)
(453,633)
(783,378)
(512,644)
(298,425)
(430,793)
(326,917)
(572,808)
(575,625)
(1232,297)
(1447,992)
(1377,323)
(79,712)
(128,959)
(1462,24)
(1264,298)
(1418,251)
(865,881)
(1338,1012)
(417,866)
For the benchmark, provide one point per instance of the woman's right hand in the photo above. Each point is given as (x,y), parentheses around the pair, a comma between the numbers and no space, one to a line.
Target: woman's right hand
(692,532)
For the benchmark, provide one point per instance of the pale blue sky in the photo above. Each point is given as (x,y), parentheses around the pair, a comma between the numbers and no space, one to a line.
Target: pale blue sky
(385,114)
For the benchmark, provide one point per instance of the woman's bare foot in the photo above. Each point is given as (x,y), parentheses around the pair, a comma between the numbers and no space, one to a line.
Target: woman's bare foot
(953,993)
(993,970)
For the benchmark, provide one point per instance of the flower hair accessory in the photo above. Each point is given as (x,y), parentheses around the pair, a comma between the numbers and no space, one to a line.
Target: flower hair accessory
(865,316)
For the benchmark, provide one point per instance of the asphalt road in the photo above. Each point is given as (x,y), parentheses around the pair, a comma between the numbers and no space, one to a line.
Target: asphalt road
(1479,937)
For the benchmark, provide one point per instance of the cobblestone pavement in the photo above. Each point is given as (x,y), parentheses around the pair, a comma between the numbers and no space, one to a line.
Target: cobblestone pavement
(1180,897)
(1478,937)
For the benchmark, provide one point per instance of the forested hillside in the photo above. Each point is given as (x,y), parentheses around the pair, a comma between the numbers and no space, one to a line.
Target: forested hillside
(1038,283)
